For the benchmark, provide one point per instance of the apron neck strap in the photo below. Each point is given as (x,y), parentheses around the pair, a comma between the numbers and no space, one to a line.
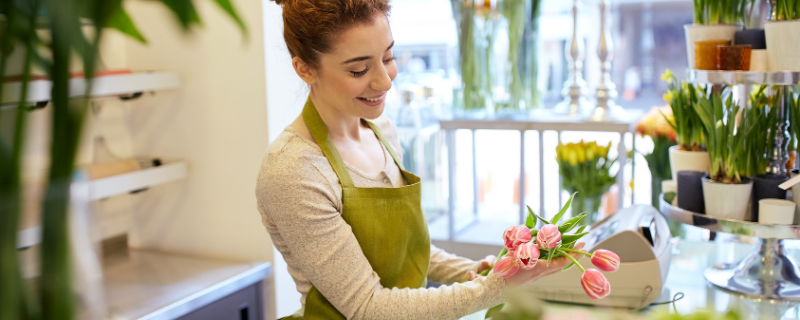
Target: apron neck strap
(386,144)
(320,133)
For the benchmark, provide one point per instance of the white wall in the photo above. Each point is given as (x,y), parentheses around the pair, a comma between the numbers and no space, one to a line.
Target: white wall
(216,121)
(286,95)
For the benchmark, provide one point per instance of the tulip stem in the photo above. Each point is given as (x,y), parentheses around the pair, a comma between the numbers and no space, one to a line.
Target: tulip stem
(576,263)
(576,251)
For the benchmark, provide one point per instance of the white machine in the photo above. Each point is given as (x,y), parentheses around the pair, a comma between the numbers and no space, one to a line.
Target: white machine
(640,236)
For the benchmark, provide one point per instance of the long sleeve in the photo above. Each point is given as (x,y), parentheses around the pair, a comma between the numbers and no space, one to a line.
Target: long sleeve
(301,207)
(447,268)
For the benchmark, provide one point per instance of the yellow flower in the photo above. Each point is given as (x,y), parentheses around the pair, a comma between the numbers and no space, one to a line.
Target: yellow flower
(591,151)
(667,76)
(560,152)
(572,157)
(667,96)
(604,150)
(581,153)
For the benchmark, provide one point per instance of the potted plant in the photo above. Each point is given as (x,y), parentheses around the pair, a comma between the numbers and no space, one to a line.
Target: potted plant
(726,190)
(585,170)
(761,122)
(689,154)
(74,34)
(783,36)
(713,20)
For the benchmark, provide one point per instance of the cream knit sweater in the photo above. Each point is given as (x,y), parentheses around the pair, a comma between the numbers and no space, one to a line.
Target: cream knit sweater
(300,201)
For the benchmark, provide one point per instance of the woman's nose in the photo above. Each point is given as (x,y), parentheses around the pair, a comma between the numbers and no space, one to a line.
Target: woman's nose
(381,79)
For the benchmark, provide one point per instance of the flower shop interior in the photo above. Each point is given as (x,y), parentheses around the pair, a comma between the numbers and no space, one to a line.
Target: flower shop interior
(533,125)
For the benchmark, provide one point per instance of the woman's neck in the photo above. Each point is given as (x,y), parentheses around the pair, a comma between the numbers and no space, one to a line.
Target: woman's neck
(340,126)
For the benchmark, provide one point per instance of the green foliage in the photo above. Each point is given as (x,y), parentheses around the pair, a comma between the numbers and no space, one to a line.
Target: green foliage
(722,11)
(726,138)
(65,20)
(682,96)
(787,9)
(760,123)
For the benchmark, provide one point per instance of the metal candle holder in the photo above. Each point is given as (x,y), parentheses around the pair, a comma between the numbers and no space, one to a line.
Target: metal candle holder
(606,109)
(574,91)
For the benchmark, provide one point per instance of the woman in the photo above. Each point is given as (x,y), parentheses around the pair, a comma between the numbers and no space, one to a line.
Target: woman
(332,191)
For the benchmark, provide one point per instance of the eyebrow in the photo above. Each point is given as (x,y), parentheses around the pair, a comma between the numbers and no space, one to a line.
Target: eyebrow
(357,59)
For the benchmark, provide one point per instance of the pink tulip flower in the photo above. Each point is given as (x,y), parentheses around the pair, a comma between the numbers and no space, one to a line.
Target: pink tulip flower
(506,266)
(605,260)
(548,236)
(527,255)
(514,236)
(595,284)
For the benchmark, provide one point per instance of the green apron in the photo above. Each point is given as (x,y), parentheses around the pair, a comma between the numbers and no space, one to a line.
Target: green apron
(388,223)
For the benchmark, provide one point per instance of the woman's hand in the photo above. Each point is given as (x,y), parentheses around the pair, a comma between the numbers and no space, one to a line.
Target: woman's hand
(542,270)
(485,264)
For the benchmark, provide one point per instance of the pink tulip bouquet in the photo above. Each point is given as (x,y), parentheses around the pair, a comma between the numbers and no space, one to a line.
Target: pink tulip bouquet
(525,246)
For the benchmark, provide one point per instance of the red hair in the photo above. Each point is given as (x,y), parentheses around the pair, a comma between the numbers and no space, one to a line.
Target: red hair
(309,26)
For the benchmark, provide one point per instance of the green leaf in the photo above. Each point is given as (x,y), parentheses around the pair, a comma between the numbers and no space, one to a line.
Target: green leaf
(534,232)
(502,253)
(493,310)
(530,212)
(122,22)
(564,209)
(185,12)
(571,223)
(568,266)
(231,11)
(550,256)
(570,238)
(581,229)
(530,221)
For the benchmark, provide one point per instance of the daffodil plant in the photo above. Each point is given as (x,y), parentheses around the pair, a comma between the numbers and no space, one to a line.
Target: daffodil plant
(681,97)
(585,168)
(726,141)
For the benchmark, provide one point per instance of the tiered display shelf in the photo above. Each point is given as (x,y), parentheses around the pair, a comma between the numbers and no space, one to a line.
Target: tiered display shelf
(766,273)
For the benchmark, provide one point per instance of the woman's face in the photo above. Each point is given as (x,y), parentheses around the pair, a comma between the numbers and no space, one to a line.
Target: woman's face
(354,78)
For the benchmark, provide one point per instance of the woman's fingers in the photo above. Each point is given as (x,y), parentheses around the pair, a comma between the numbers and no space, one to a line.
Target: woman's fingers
(471,276)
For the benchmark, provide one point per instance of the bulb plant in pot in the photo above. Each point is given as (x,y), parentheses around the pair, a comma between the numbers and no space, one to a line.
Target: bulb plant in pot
(760,123)
(726,190)
(713,20)
(689,154)
(782,31)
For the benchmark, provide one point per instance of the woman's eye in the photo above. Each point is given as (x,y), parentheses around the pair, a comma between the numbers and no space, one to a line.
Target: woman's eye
(360,73)
(387,61)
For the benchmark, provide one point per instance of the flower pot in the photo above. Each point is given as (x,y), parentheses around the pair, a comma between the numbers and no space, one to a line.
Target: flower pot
(681,160)
(756,38)
(765,186)
(726,200)
(776,211)
(783,45)
(796,198)
(736,57)
(759,60)
(699,32)
(706,54)
(690,191)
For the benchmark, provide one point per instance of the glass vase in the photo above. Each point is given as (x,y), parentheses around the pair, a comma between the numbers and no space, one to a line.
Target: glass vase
(589,205)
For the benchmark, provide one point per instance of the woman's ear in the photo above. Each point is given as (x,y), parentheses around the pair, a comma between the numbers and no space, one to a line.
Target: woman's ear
(306,72)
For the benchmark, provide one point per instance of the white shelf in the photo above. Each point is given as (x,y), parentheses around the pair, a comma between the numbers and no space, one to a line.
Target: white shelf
(39,90)
(124,183)
(112,186)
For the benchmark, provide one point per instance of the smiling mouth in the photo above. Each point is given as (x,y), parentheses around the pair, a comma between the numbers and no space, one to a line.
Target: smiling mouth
(376,99)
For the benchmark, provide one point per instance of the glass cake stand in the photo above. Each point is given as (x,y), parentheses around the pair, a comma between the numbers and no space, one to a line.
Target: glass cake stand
(766,273)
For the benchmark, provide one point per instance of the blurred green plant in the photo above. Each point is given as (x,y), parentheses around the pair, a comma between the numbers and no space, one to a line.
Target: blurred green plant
(723,11)
(75,29)
(681,97)
(760,121)
(725,137)
(787,9)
